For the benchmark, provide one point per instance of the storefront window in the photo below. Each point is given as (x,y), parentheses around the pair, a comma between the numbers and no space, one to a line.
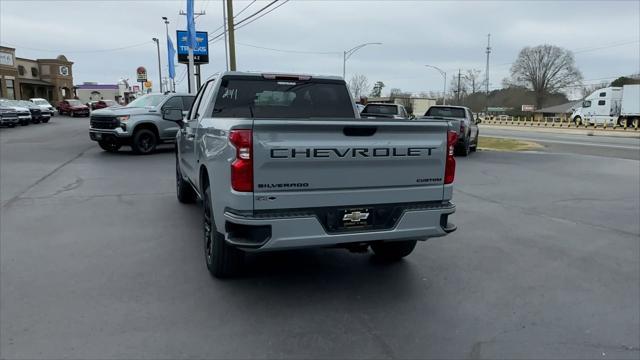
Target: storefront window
(10,90)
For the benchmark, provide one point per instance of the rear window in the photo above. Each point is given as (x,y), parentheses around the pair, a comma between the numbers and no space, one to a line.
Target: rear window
(267,98)
(381,109)
(445,112)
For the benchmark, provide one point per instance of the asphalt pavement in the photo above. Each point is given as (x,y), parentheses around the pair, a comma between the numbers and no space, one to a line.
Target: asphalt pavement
(600,145)
(98,260)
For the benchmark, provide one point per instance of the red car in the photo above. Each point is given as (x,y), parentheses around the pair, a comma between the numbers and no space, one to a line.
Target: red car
(73,107)
(101,104)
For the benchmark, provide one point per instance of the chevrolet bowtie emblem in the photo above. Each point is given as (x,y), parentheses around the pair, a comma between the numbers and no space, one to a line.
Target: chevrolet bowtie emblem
(355,216)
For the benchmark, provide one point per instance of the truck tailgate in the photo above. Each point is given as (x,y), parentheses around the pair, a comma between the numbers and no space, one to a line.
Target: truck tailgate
(312,163)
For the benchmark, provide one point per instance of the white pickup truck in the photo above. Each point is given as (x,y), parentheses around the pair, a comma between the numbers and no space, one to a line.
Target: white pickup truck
(284,161)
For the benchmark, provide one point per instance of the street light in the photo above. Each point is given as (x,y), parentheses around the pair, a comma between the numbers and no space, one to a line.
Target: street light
(444,75)
(166,24)
(155,40)
(347,54)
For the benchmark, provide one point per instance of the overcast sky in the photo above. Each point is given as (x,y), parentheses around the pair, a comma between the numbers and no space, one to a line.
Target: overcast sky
(448,34)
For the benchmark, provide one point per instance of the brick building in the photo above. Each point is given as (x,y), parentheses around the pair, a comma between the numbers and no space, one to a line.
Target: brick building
(21,79)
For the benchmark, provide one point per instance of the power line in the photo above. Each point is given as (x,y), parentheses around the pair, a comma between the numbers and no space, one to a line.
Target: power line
(214,39)
(589,49)
(234,16)
(80,51)
(282,3)
(292,51)
(256,13)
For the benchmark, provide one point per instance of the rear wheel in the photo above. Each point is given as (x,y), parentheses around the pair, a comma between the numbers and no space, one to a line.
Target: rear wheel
(634,123)
(24,123)
(465,149)
(144,142)
(393,250)
(186,194)
(45,120)
(222,259)
(109,146)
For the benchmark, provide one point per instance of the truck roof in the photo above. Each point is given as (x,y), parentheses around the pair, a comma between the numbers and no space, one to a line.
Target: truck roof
(263,73)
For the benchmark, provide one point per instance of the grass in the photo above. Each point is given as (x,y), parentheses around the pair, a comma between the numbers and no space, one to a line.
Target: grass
(501,144)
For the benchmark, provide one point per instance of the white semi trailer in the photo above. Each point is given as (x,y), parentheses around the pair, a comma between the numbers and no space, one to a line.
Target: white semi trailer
(610,105)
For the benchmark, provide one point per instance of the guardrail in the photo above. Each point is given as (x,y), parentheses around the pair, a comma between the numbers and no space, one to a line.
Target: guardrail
(557,122)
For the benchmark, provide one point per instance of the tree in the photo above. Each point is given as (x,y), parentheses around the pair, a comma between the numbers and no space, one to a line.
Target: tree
(586,90)
(545,69)
(358,85)
(401,97)
(624,80)
(377,89)
(473,81)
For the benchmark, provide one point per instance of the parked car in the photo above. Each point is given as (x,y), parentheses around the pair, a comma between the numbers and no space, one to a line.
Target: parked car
(101,104)
(73,107)
(44,105)
(24,115)
(8,116)
(467,125)
(37,116)
(382,110)
(272,179)
(139,124)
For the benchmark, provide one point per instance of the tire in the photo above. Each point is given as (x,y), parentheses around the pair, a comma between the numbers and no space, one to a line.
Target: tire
(71,114)
(185,192)
(465,149)
(634,123)
(144,142)
(222,260)
(24,123)
(109,146)
(12,125)
(46,120)
(393,250)
(577,120)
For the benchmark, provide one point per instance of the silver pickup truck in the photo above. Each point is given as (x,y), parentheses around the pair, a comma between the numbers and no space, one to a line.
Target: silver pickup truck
(284,161)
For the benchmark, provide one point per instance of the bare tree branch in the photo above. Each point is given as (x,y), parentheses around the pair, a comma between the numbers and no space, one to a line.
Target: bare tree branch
(545,69)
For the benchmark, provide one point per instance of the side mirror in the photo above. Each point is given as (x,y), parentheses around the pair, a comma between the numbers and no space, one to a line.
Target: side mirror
(412,117)
(173,114)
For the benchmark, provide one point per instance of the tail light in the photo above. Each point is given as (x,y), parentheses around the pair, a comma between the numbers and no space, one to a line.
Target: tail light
(450,165)
(242,166)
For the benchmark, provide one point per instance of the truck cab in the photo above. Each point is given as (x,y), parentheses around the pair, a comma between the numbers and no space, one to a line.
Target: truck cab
(600,107)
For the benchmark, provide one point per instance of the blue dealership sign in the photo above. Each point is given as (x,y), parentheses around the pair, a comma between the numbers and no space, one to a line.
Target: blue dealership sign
(200,53)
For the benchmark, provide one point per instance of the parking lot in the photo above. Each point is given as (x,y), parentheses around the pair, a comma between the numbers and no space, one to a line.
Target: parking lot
(99,260)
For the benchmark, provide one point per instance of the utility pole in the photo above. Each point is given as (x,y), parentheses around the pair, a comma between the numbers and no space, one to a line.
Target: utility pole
(458,95)
(486,75)
(232,39)
(224,25)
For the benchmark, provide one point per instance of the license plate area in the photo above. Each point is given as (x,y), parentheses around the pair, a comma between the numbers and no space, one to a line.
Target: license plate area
(338,220)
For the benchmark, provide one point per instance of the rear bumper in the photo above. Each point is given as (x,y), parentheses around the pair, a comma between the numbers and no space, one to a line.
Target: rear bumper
(298,231)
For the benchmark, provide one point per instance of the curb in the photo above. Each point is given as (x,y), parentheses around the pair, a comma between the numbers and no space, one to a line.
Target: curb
(558,130)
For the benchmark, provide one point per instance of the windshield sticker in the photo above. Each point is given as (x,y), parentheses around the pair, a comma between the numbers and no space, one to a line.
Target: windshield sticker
(231,94)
